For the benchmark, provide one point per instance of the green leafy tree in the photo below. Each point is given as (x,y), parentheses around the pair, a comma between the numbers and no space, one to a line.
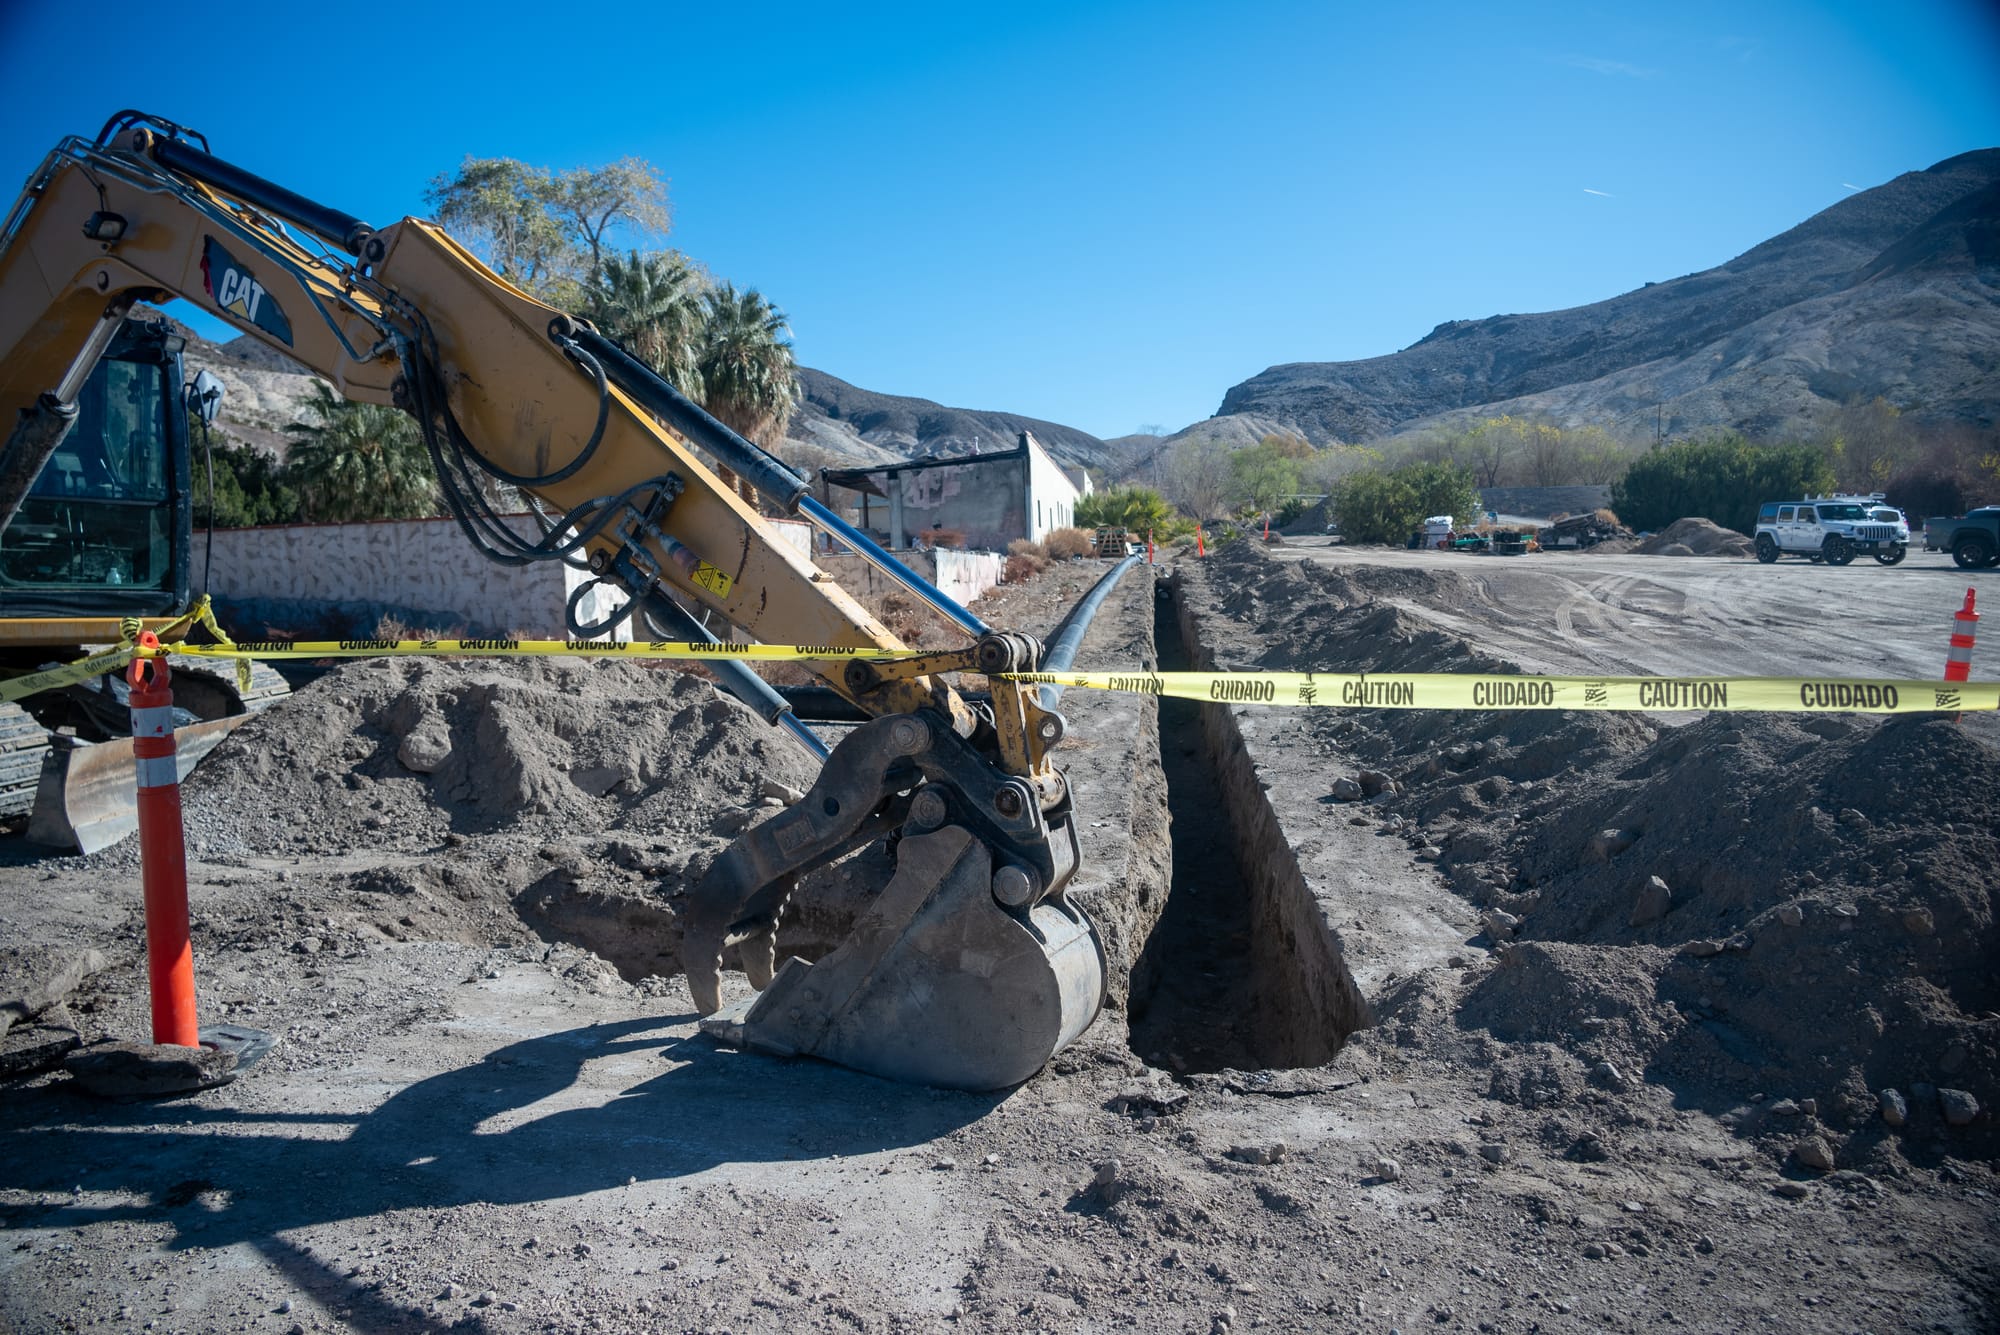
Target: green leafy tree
(747,376)
(1442,489)
(1388,506)
(1134,508)
(358,461)
(1262,475)
(549,232)
(249,487)
(652,304)
(1375,507)
(1723,478)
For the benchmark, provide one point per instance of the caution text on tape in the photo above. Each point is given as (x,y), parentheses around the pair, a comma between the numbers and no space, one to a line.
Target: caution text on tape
(1433,691)
(678,649)
(69,674)
(1440,690)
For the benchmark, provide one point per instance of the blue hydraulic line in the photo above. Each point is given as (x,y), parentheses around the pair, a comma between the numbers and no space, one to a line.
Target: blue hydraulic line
(870,551)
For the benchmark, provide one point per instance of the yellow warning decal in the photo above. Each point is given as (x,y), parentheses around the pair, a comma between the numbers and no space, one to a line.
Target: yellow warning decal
(1439,690)
(712,578)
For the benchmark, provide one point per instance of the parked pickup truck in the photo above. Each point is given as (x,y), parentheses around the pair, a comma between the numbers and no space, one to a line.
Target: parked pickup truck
(1972,539)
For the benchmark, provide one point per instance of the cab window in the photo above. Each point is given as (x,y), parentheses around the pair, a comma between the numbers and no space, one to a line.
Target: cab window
(100,515)
(1784,514)
(1806,515)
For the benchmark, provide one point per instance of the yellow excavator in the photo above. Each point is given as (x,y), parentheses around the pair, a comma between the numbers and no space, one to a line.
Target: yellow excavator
(971,966)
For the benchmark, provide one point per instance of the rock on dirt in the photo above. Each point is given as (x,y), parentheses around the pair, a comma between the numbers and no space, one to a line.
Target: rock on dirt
(1958,1106)
(119,1070)
(1651,903)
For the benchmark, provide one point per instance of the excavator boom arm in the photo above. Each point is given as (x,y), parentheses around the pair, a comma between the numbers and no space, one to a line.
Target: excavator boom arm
(509,390)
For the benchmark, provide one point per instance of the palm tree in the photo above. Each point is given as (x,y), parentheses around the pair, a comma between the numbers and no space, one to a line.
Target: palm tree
(359,461)
(748,378)
(652,304)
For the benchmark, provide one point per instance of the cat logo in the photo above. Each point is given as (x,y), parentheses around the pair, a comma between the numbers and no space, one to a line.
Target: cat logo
(236,290)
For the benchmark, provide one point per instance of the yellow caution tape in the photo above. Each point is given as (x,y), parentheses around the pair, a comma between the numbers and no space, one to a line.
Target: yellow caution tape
(1441,690)
(676,649)
(49,679)
(119,655)
(1414,690)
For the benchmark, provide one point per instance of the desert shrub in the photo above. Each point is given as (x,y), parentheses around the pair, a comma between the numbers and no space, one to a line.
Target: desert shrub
(1065,543)
(1019,568)
(1385,507)
(945,537)
(1025,547)
(1723,478)
(1926,493)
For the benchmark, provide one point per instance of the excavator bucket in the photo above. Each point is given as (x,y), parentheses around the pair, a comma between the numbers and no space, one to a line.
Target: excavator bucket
(88,798)
(968,971)
(937,984)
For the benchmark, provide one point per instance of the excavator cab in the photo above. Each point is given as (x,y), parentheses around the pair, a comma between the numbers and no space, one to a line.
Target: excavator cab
(104,532)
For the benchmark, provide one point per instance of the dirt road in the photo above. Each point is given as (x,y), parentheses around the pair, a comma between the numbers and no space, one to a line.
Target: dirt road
(1564,612)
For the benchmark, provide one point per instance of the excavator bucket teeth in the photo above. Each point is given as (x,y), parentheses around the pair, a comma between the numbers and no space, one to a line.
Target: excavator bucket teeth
(937,984)
(88,798)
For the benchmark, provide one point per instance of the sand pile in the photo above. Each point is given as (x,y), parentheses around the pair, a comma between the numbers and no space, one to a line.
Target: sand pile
(396,753)
(1696,537)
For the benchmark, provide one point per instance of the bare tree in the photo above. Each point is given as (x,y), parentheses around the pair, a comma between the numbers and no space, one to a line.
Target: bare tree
(1198,477)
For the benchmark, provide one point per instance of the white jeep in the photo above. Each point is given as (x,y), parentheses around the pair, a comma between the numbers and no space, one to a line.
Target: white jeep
(1833,529)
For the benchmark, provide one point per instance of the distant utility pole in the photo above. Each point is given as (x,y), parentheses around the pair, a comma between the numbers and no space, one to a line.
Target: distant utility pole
(1659,424)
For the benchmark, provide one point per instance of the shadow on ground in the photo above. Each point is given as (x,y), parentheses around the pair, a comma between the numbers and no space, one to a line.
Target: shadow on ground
(472,1135)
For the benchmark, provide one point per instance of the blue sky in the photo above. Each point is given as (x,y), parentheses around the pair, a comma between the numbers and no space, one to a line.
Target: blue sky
(1101,214)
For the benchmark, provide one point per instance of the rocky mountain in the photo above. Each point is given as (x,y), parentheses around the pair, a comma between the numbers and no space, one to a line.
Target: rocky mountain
(867,427)
(267,390)
(1894,291)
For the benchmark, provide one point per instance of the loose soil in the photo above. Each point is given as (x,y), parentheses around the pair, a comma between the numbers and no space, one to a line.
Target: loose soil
(1323,1096)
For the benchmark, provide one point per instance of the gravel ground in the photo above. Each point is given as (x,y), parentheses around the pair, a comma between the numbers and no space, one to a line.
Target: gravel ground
(472,1121)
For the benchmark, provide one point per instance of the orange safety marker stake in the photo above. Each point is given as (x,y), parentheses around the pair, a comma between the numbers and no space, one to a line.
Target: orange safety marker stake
(1267,526)
(162,851)
(1199,550)
(1149,546)
(1958,660)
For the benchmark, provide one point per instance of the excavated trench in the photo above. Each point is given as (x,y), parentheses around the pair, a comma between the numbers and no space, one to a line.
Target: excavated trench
(1242,971)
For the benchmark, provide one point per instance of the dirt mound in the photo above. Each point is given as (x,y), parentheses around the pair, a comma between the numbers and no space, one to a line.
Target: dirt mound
(1801,910)
(413,749)
(1803,907)
(1695,537)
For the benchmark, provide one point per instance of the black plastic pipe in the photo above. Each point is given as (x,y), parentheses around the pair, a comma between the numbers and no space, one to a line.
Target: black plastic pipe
(1069,635)
(343,229)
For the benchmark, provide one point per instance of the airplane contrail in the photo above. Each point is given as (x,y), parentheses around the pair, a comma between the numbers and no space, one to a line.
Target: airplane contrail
(1599,193)
(1849,185)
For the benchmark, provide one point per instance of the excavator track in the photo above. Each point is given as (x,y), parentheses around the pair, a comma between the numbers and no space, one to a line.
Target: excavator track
(23,744)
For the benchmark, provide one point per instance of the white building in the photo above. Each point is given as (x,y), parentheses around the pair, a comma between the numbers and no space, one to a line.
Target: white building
(991,498)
